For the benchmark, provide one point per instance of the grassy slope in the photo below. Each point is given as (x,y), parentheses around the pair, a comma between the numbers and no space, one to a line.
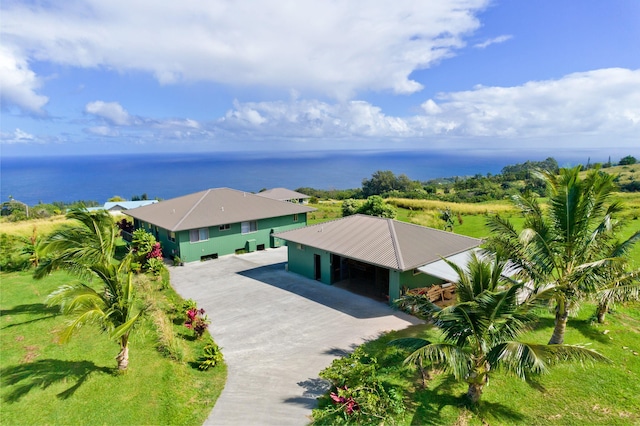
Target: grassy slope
(570,394)
(45,382)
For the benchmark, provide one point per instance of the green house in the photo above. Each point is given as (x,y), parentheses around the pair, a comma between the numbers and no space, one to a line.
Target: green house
(376,256)
(217,222)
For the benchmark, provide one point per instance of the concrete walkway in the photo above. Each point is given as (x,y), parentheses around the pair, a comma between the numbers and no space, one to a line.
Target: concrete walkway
(277,331)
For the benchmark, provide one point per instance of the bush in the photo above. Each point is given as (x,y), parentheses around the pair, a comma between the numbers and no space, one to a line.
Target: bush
(196,321)
(358,394)
(211,356)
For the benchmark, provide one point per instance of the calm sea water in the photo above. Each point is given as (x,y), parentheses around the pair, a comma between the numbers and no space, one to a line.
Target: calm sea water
(98,178)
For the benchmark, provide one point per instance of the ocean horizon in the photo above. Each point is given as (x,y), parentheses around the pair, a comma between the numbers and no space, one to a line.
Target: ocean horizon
(67,179)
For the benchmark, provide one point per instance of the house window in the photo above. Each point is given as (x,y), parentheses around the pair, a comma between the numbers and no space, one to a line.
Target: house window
(299,246)
(196,235)
(295,217)
(171,236)
(250,226)
(224,227)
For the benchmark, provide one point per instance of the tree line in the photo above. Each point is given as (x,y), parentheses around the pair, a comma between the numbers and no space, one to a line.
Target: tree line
(513,179)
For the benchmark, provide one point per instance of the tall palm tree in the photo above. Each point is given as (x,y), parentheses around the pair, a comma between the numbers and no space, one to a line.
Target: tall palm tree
(88,250)
(479,332)
(570,247)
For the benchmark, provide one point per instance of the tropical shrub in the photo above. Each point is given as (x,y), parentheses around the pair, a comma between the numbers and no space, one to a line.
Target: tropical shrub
(358,393)
(211,356)
(196,321)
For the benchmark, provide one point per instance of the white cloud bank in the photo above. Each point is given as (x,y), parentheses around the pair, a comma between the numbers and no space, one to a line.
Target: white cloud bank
(602,102)
(331,47)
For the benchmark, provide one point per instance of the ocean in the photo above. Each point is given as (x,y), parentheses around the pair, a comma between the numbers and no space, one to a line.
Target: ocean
(97,178)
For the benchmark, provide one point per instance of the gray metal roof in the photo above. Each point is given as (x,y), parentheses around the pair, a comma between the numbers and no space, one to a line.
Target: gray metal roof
(282,194)
(213,207)
(383,242)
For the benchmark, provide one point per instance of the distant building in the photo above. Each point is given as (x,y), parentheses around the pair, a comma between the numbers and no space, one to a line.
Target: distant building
(118,207)
(218,222)
(284,194)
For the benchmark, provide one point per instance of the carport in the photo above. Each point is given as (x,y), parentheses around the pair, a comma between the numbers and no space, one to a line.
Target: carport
(377,256)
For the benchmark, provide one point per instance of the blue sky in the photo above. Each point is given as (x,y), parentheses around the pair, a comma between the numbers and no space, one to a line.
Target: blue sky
(554,78)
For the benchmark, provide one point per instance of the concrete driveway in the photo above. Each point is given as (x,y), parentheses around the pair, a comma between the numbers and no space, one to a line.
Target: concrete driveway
(277,330)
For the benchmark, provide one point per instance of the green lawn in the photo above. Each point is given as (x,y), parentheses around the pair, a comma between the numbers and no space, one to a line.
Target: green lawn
(571,394)
(44,382)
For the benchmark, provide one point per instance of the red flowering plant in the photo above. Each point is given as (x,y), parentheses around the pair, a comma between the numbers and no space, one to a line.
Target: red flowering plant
(196,321)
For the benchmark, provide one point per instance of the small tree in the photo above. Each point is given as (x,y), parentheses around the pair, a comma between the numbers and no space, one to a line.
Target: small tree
(480,331)
(627,161)
(376,206)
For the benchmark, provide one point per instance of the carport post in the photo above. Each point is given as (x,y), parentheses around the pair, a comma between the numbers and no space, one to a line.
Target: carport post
(394,285)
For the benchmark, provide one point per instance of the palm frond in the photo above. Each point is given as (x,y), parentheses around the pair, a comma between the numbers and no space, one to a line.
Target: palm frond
(447,356)
(525,359)
(409,343)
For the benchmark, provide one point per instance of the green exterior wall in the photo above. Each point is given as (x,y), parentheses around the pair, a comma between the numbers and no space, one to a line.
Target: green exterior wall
(301,261)
(224,242)
(409,280)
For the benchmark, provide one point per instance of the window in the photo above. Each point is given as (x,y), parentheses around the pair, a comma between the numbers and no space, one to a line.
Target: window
(171,236)
(250,226)
(224,227)
(295,217)
(196,235)
(299,246)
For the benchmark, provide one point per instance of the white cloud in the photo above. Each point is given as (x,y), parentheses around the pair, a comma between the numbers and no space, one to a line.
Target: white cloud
(19,84)
(103,131)
(600,104)
(495,40)
(110,111)
(603,102)
(336,47)
(17,137)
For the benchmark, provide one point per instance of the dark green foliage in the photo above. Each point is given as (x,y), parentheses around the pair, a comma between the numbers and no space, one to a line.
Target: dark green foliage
(628,160)
(385,182)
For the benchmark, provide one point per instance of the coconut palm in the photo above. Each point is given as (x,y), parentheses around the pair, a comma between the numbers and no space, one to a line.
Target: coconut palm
(570,247)
(92,239)
(89,251)
(479,332)
(111,307)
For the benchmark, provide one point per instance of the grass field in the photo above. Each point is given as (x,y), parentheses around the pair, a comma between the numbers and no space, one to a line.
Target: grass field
(44,382)
(571,394)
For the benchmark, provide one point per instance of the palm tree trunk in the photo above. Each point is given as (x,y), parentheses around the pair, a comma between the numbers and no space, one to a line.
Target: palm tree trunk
(123,357)
(601,311)
(562,315)
(475,392)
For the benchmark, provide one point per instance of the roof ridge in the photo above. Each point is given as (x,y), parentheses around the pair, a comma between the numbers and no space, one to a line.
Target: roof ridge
(396,245)
(191,209)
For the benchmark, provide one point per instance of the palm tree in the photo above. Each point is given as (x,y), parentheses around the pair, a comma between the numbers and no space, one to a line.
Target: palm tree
(479,332)
(76,248)
(89,251)
(571,247)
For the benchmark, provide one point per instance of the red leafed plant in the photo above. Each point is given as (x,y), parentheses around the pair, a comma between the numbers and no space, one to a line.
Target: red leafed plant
(197,321)
(156,252)
(350,405)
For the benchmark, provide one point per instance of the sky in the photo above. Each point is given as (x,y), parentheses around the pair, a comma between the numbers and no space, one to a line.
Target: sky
(478,77)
